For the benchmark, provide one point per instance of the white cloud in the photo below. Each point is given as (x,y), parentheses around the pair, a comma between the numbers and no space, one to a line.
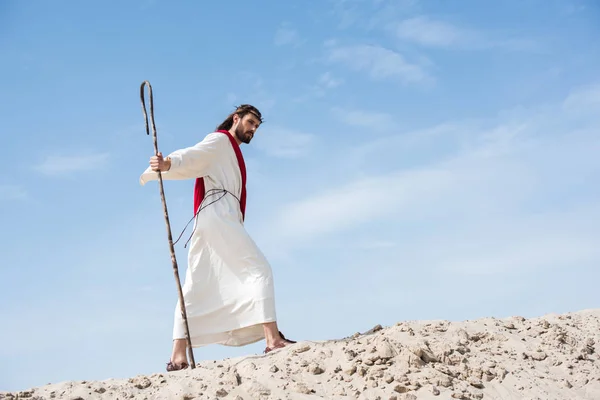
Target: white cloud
(379,63)
(582,101)
(430,32)
(374,244)
(518,244)
(515,196)
(61,165)
(366,14)
(12,192)
(328,81)
(282,142)
(426,31)
(359,202)
(286,36)
(362,118)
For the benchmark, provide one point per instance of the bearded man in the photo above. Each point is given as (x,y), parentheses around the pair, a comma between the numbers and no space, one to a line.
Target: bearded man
(228,289)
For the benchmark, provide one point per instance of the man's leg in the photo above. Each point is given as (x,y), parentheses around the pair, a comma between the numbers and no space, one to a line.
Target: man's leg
(273,337)
(179,355)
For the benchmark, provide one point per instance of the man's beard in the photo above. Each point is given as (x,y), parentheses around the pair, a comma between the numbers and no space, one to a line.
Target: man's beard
(244,137)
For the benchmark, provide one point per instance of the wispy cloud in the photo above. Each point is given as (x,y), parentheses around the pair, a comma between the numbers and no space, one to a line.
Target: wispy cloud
(362,118)
(374,244)
(361,201)
(367,14)
(468,209)
(430,32)
(250,85)
(285,35)
(283,142)
(379,63)
(328,81)
(585,100)
(63,165)
(557,238)
(426,31)
(12,192)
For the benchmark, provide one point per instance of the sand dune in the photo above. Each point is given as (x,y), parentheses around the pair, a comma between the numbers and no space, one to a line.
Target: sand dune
(550,357)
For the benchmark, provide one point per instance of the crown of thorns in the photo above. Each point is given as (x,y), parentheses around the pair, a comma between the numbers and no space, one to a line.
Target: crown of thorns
(251,109)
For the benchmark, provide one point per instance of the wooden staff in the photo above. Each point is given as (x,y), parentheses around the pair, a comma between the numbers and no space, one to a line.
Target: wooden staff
(164,203)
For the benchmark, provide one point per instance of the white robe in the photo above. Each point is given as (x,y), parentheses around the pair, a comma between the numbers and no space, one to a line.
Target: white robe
(228,288)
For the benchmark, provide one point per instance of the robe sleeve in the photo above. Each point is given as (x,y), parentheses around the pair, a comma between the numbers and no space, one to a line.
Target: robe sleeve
(191,162)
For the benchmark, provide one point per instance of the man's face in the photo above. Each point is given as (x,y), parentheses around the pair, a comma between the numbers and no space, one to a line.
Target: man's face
(246,128)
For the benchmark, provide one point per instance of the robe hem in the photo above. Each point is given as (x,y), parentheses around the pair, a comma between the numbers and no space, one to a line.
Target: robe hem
(198,342)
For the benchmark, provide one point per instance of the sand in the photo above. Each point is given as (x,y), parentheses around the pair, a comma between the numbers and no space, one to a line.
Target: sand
(549,357)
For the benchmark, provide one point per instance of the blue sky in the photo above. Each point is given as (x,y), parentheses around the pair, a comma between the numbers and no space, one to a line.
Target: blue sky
(417,161)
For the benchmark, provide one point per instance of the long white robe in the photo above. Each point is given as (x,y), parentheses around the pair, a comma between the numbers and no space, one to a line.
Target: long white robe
(228,288)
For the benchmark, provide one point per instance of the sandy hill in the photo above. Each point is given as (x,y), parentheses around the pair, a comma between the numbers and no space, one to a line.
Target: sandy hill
(550,357)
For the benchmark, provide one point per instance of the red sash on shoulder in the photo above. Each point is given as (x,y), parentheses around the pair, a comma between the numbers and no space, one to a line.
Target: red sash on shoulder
(199,189)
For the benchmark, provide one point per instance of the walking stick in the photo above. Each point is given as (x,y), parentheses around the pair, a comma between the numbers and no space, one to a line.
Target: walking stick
(164,203)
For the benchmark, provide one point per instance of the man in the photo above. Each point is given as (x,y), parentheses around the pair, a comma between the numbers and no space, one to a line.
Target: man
(228,289)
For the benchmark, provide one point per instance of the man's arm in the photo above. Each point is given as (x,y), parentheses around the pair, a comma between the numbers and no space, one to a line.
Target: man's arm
(189,163)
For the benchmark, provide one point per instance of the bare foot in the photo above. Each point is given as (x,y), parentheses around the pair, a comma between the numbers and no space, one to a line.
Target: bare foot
(171,366)
(178,357)
(277,341)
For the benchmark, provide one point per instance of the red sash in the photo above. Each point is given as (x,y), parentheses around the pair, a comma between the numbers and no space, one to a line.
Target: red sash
(199,189)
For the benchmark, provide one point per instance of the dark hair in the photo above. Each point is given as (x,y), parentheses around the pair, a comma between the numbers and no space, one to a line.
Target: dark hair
(241,111)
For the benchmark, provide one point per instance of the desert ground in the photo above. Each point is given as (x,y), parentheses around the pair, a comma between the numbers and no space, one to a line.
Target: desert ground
(548,357)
